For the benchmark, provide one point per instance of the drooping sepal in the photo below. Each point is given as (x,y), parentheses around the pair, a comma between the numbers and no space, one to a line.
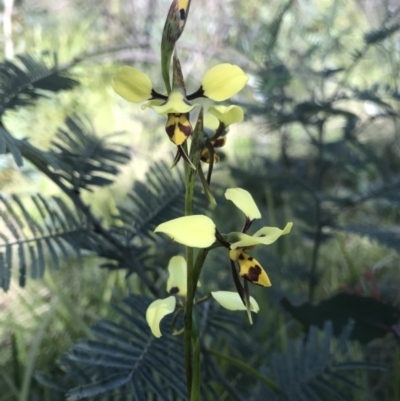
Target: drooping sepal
(156,311)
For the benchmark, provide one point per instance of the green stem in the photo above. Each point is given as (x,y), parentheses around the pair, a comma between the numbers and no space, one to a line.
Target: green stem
(189,181)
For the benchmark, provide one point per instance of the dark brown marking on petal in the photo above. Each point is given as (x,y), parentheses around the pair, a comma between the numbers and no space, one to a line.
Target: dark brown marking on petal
(250,258)
(186,129)
(241,256)
(195,95)
(219,143)
(182,14)
(170,127)
(253,273)
(174,290)
(156,95)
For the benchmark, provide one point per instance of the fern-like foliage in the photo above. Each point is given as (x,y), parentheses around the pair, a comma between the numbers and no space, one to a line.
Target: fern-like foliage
(85,159)
(126,361)
(22,81)
(36,229)
(313,368)
(26,79)
(160,197)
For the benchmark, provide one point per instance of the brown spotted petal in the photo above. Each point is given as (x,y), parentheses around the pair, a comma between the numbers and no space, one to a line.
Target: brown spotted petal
(205,153)
(178,128)
(251,270)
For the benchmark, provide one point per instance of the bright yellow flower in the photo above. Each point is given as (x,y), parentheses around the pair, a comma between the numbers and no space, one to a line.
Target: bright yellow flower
(199,231)
(177,286)
(220,83)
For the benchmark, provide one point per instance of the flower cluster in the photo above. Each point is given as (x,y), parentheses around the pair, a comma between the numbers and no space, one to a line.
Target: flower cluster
(219,83)
(200,231)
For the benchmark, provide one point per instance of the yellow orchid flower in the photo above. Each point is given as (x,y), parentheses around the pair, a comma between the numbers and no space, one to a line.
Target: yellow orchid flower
(219,83)
(177,286)
(200,232)
(218,119)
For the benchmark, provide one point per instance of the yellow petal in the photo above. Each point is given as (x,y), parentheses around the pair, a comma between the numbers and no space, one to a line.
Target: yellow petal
(156,311)
(264,236)
(227,115)
(132,84)
(152,103)
(211,122)
(232,301)
(244,201)
(197,231)
(234,254)
(251,270)
(177,269)
(178,128)
(223,81)
(175,104)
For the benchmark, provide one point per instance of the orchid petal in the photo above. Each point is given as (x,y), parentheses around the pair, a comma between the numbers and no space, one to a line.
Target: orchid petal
(211,122)
(132,84)
(223,81)
(252,271)
(177,269)
(175,104)
(156,311)
(178,128)
(264,236)
(227,115)
(197,231)
(231,300)
(244,201)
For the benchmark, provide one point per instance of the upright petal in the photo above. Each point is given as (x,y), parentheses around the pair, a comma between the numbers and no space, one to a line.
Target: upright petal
(156,311)
(132,84)
(223,81)
(177,269)
(244,201)
(227,115)
(231,300)
(252,271)
(175,104)
(264,236)
(197,231)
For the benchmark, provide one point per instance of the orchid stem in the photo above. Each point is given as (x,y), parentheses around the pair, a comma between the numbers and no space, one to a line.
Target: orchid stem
(190,176)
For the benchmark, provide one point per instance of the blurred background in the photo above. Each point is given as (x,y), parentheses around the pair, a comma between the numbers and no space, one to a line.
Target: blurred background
(319,146)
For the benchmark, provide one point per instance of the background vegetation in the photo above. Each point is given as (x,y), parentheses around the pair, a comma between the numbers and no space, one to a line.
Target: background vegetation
(320,146)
